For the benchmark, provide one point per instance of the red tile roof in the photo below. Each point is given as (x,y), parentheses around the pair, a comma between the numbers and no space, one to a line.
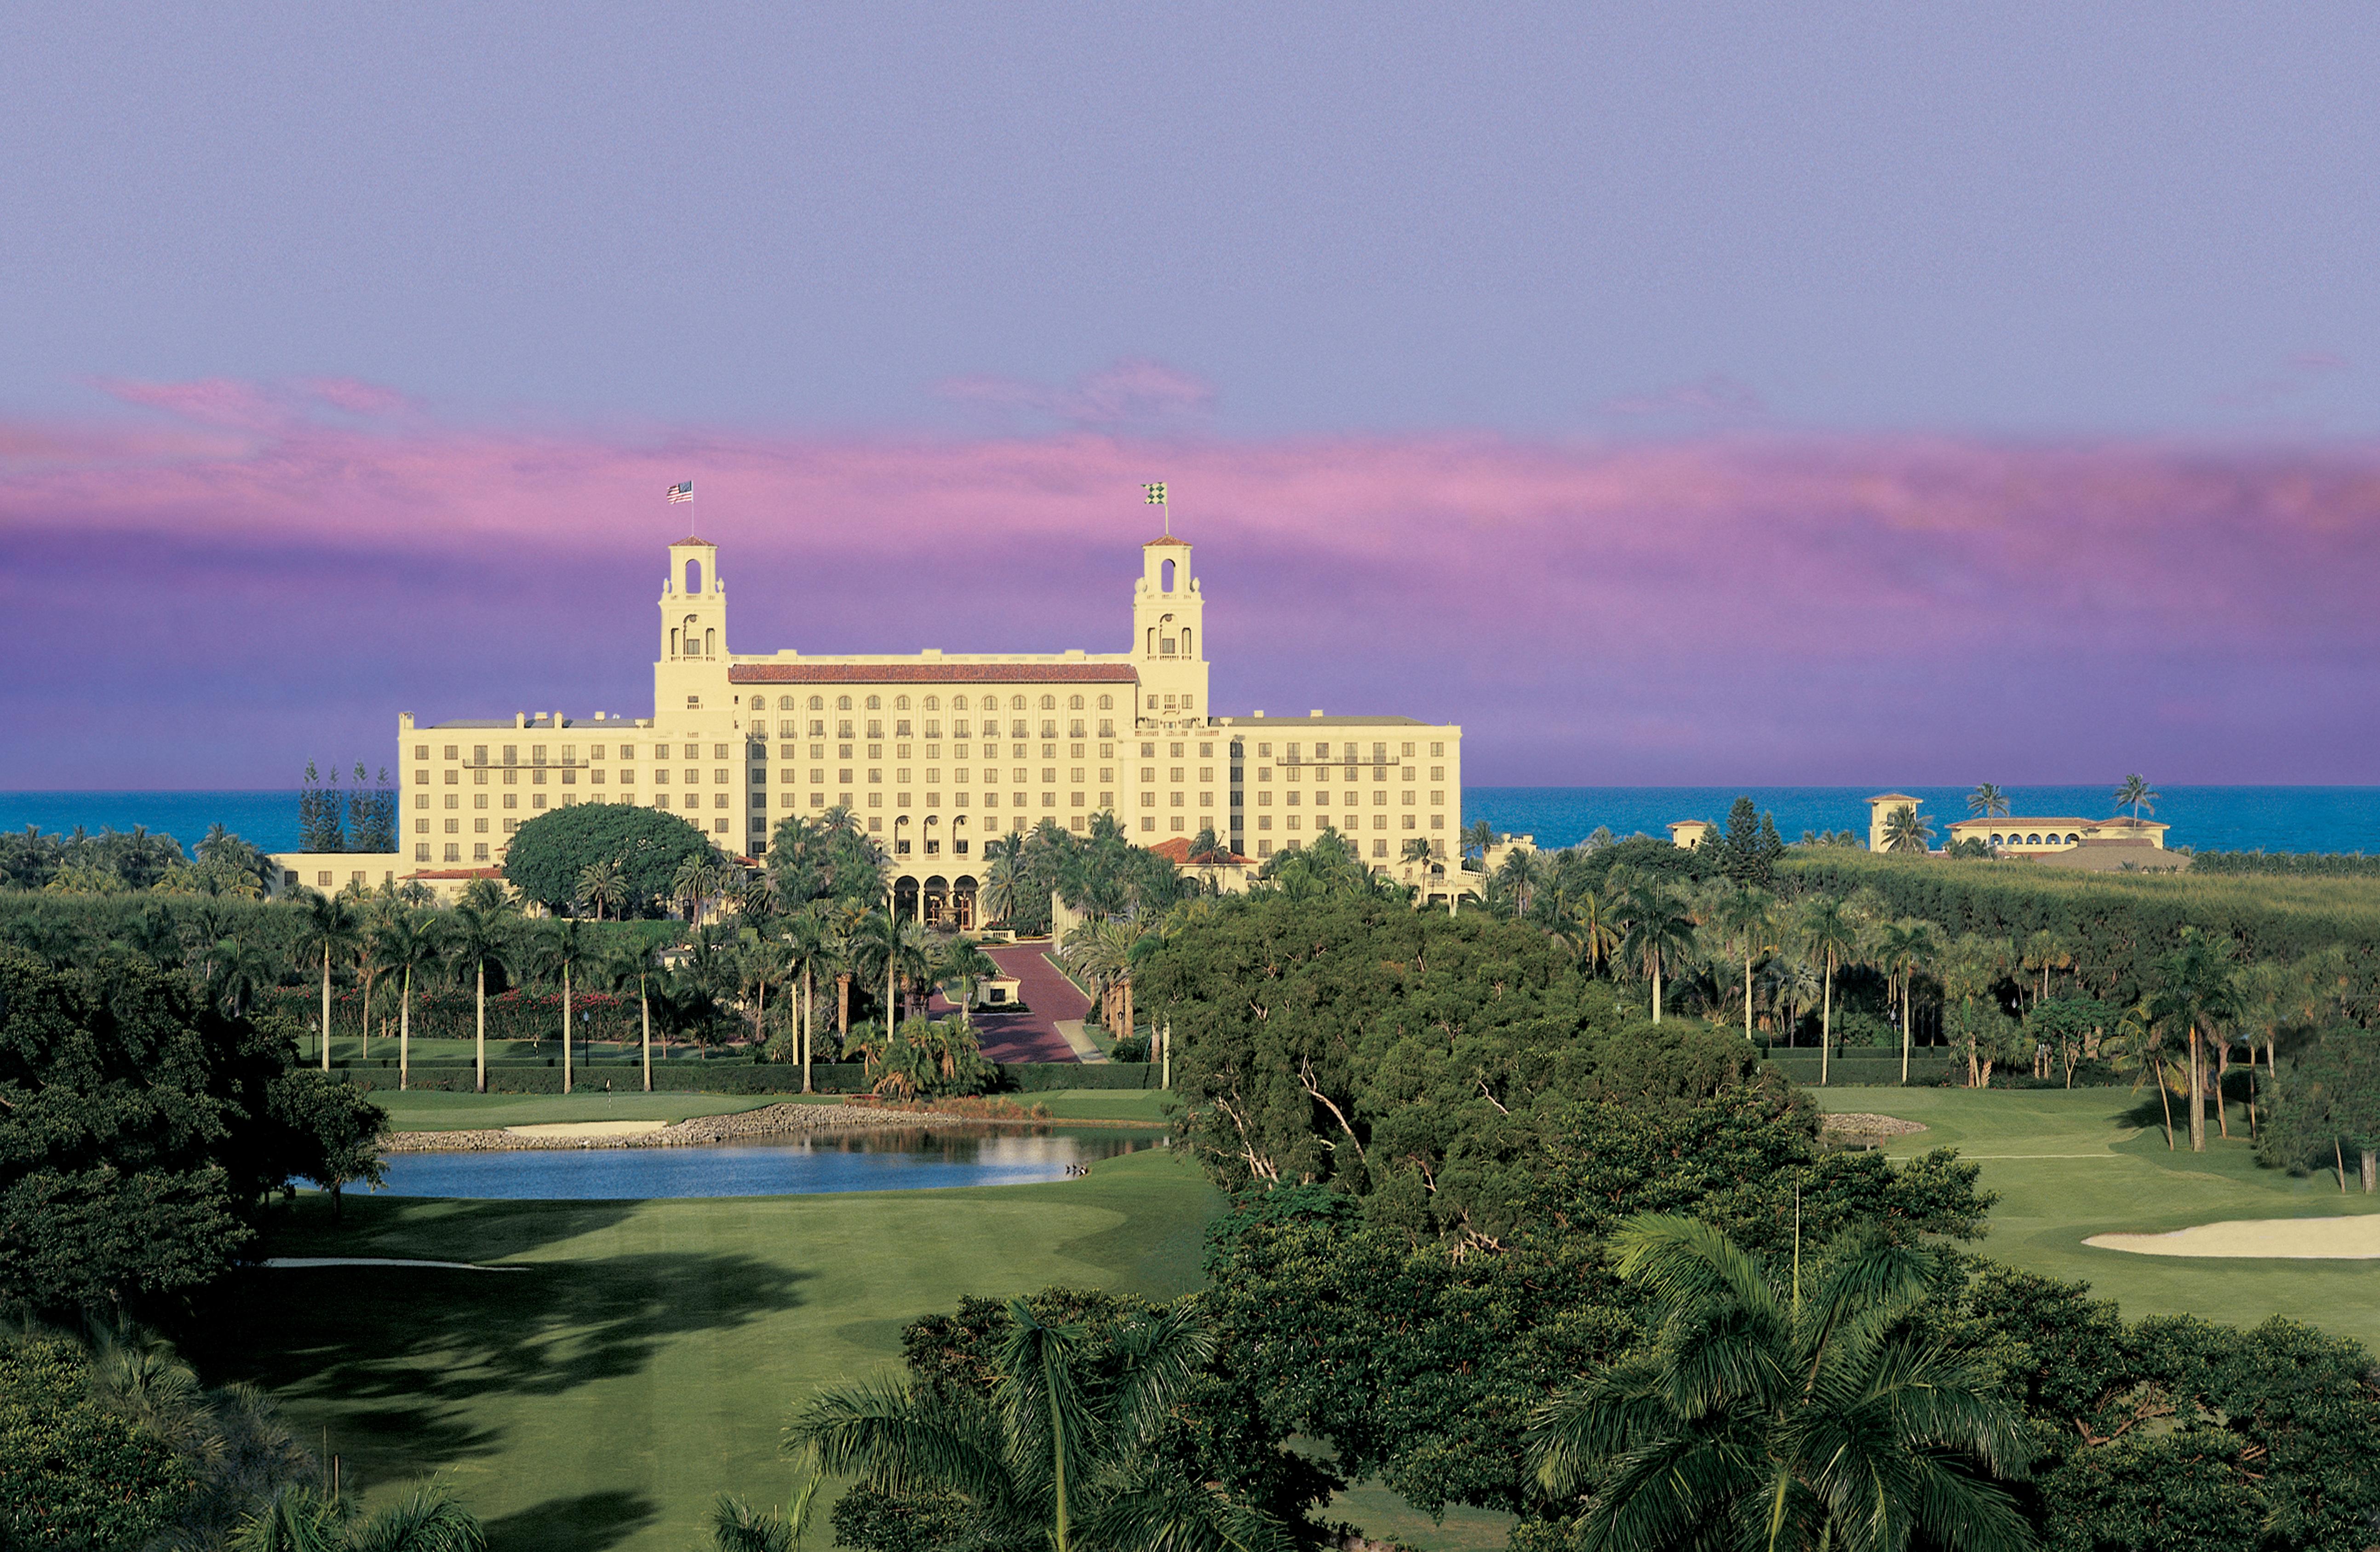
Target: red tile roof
(458,873)
(1168,538)
(931,674)
(691,540)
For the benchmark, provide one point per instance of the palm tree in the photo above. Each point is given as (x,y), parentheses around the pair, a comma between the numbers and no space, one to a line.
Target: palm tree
(1477,836)
(807,941)
(1747,918)
(561,949)
(1763,1414)
(329,927)
(691,883)
(604,885)
(1903,949)
(997,894)
(1654,932)
(2135,794)
(487,895)
(244,971)
(1062,1447)
(631,963)
(1416,850)
(301,1518)
(2045,951)
(477,940)
(1592,931)
(407,943)
(1987,802)
(1830,937)
(968,965)
(2195,994)
(1904,831)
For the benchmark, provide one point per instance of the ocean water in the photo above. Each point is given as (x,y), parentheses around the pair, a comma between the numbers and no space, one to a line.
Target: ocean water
(2205,819)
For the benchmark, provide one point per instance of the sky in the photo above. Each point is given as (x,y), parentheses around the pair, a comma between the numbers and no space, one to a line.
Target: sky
(1697,394)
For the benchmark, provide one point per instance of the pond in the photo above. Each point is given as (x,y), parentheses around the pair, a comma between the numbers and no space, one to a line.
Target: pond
(922,1160)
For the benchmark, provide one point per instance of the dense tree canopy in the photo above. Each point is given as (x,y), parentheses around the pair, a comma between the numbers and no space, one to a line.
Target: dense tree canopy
(139,1127)
(550,856)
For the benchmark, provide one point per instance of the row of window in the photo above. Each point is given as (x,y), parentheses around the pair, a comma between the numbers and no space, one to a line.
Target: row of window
(960,727)
(1352,821)
(510,754)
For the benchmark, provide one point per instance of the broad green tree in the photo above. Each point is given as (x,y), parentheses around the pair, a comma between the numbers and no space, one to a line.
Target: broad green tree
(1654,933)
(1747,918)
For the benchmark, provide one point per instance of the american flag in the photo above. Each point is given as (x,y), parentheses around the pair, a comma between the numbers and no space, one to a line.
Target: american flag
(682,492)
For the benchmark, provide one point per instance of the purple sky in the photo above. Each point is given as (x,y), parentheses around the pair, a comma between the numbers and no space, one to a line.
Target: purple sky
(1697,394)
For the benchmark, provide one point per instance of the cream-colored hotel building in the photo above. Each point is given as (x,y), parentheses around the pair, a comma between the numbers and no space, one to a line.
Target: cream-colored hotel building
(934,752)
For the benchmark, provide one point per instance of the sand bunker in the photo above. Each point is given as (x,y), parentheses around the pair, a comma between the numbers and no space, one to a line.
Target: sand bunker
(1853,1123)
(300,1262)
(587,1128)
(2291,1239)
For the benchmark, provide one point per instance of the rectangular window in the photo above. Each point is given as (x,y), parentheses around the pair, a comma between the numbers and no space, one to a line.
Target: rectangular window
(421,827)
(537,800)
(452,801)
(454,777)
(876,800)
(478,827)
(421,800)
(537,754)
(512,778)
(1437,822)
(1438,800)
(421,852)
(454,851)
(511,825)
(480,852)
(537,777)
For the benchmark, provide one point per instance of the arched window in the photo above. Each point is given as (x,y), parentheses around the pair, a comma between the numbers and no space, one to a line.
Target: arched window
(876,703)
(759,703)
(2033,839)
(933,703)
(818,703)
(674,650)
(1152,648)
(842,703)
(1186,645)
(1107,703)
(710,642)
(1997,841)
(1074,703)
(2074,840)
(1168,574)
(899,703)
(1016,703)
(692,576)
(784,703)
(958,703)
(1048,703)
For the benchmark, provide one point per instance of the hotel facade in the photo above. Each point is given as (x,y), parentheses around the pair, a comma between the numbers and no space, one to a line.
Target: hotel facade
(935,753)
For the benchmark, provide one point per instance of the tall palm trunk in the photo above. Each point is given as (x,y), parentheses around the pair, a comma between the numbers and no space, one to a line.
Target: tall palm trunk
(2222,1070)
(404,1034)
(1904,1033)
(326,1007)
(1657,988)
(1827,1022)
(482,1032)
(1747,997)
(843,1006)
(565,1029)
(2197,1095)
(644,1012)
(808,1014)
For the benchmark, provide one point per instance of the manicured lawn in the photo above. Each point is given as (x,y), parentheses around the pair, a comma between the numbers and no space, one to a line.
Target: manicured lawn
(2071,1165)
(646,1358)
(1151,1105)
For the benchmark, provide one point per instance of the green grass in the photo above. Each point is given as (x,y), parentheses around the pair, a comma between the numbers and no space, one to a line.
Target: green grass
(2071,1165)
(649,1354)
(1149,1105)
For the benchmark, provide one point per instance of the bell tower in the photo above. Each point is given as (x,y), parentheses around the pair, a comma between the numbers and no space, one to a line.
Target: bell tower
(693,657)
(1169,635)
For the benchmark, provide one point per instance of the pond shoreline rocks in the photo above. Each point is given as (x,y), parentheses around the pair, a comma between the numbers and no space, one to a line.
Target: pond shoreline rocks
(770,1121)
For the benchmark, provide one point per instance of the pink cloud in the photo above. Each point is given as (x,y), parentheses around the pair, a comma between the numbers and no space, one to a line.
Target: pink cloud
(1719,607)
(1131,394)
